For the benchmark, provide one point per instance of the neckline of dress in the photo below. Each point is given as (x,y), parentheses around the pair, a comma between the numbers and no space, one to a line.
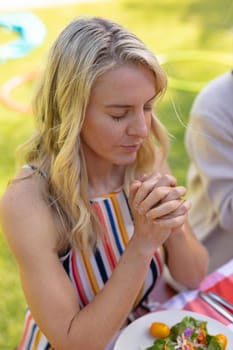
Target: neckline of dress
(107,195)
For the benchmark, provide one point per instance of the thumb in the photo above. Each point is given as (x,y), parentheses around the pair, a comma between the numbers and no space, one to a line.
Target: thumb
(133,189)
(135,185)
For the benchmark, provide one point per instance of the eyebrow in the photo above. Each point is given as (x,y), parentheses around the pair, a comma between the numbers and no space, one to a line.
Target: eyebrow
(125,105)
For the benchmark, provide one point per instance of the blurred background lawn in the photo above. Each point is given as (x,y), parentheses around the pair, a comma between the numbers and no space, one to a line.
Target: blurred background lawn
(194,43)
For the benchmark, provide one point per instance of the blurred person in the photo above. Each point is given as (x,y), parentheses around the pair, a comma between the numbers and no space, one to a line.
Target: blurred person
(94,213)
(209,143)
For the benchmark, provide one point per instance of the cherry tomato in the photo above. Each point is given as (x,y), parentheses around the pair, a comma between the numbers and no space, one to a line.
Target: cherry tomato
(159,330)
(222,340)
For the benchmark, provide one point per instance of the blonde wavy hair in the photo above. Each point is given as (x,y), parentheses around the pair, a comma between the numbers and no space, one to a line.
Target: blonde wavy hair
(87,48)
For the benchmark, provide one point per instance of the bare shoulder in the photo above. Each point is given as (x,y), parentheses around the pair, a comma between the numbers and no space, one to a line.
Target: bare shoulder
(22,194)
(26,219)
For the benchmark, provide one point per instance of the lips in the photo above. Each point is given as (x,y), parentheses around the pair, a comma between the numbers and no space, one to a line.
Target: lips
(133,148)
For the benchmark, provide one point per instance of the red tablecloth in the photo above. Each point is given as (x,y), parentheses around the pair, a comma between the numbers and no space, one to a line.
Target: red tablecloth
(220,281)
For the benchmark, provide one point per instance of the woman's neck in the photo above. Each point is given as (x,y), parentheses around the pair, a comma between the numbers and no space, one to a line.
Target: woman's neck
(105,180)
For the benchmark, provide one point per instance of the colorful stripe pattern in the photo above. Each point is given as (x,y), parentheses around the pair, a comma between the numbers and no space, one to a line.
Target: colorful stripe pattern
(33,338)
(89,273)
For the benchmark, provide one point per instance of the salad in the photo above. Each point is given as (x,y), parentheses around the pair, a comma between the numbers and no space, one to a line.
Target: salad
(188,334)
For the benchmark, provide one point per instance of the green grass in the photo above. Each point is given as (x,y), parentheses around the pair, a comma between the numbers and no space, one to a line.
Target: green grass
(166,26)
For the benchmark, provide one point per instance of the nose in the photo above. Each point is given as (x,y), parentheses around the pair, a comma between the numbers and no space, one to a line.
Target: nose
(139,125)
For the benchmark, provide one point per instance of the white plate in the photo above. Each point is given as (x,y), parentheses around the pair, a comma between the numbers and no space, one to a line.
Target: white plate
(136,336)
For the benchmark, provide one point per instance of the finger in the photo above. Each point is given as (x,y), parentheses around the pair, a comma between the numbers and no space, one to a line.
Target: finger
(143,178)
(182,209)
(166,180)
(175,193)
(160,195)
(171,223)
(167,210)
(135,185)
(162,180)
(153,199)
(145,188)
(133,189)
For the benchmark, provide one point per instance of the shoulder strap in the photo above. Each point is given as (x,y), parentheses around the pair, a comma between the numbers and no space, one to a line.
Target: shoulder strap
(33,167)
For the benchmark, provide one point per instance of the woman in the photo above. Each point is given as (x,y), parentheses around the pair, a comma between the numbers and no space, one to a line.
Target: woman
(94,211)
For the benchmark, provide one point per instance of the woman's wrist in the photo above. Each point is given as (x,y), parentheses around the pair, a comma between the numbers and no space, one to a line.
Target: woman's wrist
(141,248)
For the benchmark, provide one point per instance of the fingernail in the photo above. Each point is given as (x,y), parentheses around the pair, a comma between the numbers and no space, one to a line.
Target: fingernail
(143,177)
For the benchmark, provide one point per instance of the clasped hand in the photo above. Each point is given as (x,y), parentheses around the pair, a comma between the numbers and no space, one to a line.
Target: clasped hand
(158,207)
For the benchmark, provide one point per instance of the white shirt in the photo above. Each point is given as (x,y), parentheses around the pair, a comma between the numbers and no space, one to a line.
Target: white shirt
(209,143)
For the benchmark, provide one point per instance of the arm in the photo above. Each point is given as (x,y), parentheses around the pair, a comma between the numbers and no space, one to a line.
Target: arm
(187,257)
(31,234)
(209,141)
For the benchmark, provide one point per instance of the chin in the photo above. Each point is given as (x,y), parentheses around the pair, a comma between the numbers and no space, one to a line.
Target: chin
(125,162)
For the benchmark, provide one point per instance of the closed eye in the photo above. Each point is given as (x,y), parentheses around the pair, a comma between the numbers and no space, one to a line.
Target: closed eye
(118,117)
(122,116)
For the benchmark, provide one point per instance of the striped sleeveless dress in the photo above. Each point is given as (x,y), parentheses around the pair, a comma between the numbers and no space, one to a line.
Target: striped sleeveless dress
(88,274)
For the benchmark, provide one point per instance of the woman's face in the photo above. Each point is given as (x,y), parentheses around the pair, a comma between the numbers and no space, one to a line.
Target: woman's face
(118,115)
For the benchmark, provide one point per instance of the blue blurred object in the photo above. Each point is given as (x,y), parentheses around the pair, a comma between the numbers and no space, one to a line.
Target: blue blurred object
(31,34)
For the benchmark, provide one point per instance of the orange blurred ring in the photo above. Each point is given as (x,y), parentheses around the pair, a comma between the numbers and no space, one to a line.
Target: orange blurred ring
(11,84)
